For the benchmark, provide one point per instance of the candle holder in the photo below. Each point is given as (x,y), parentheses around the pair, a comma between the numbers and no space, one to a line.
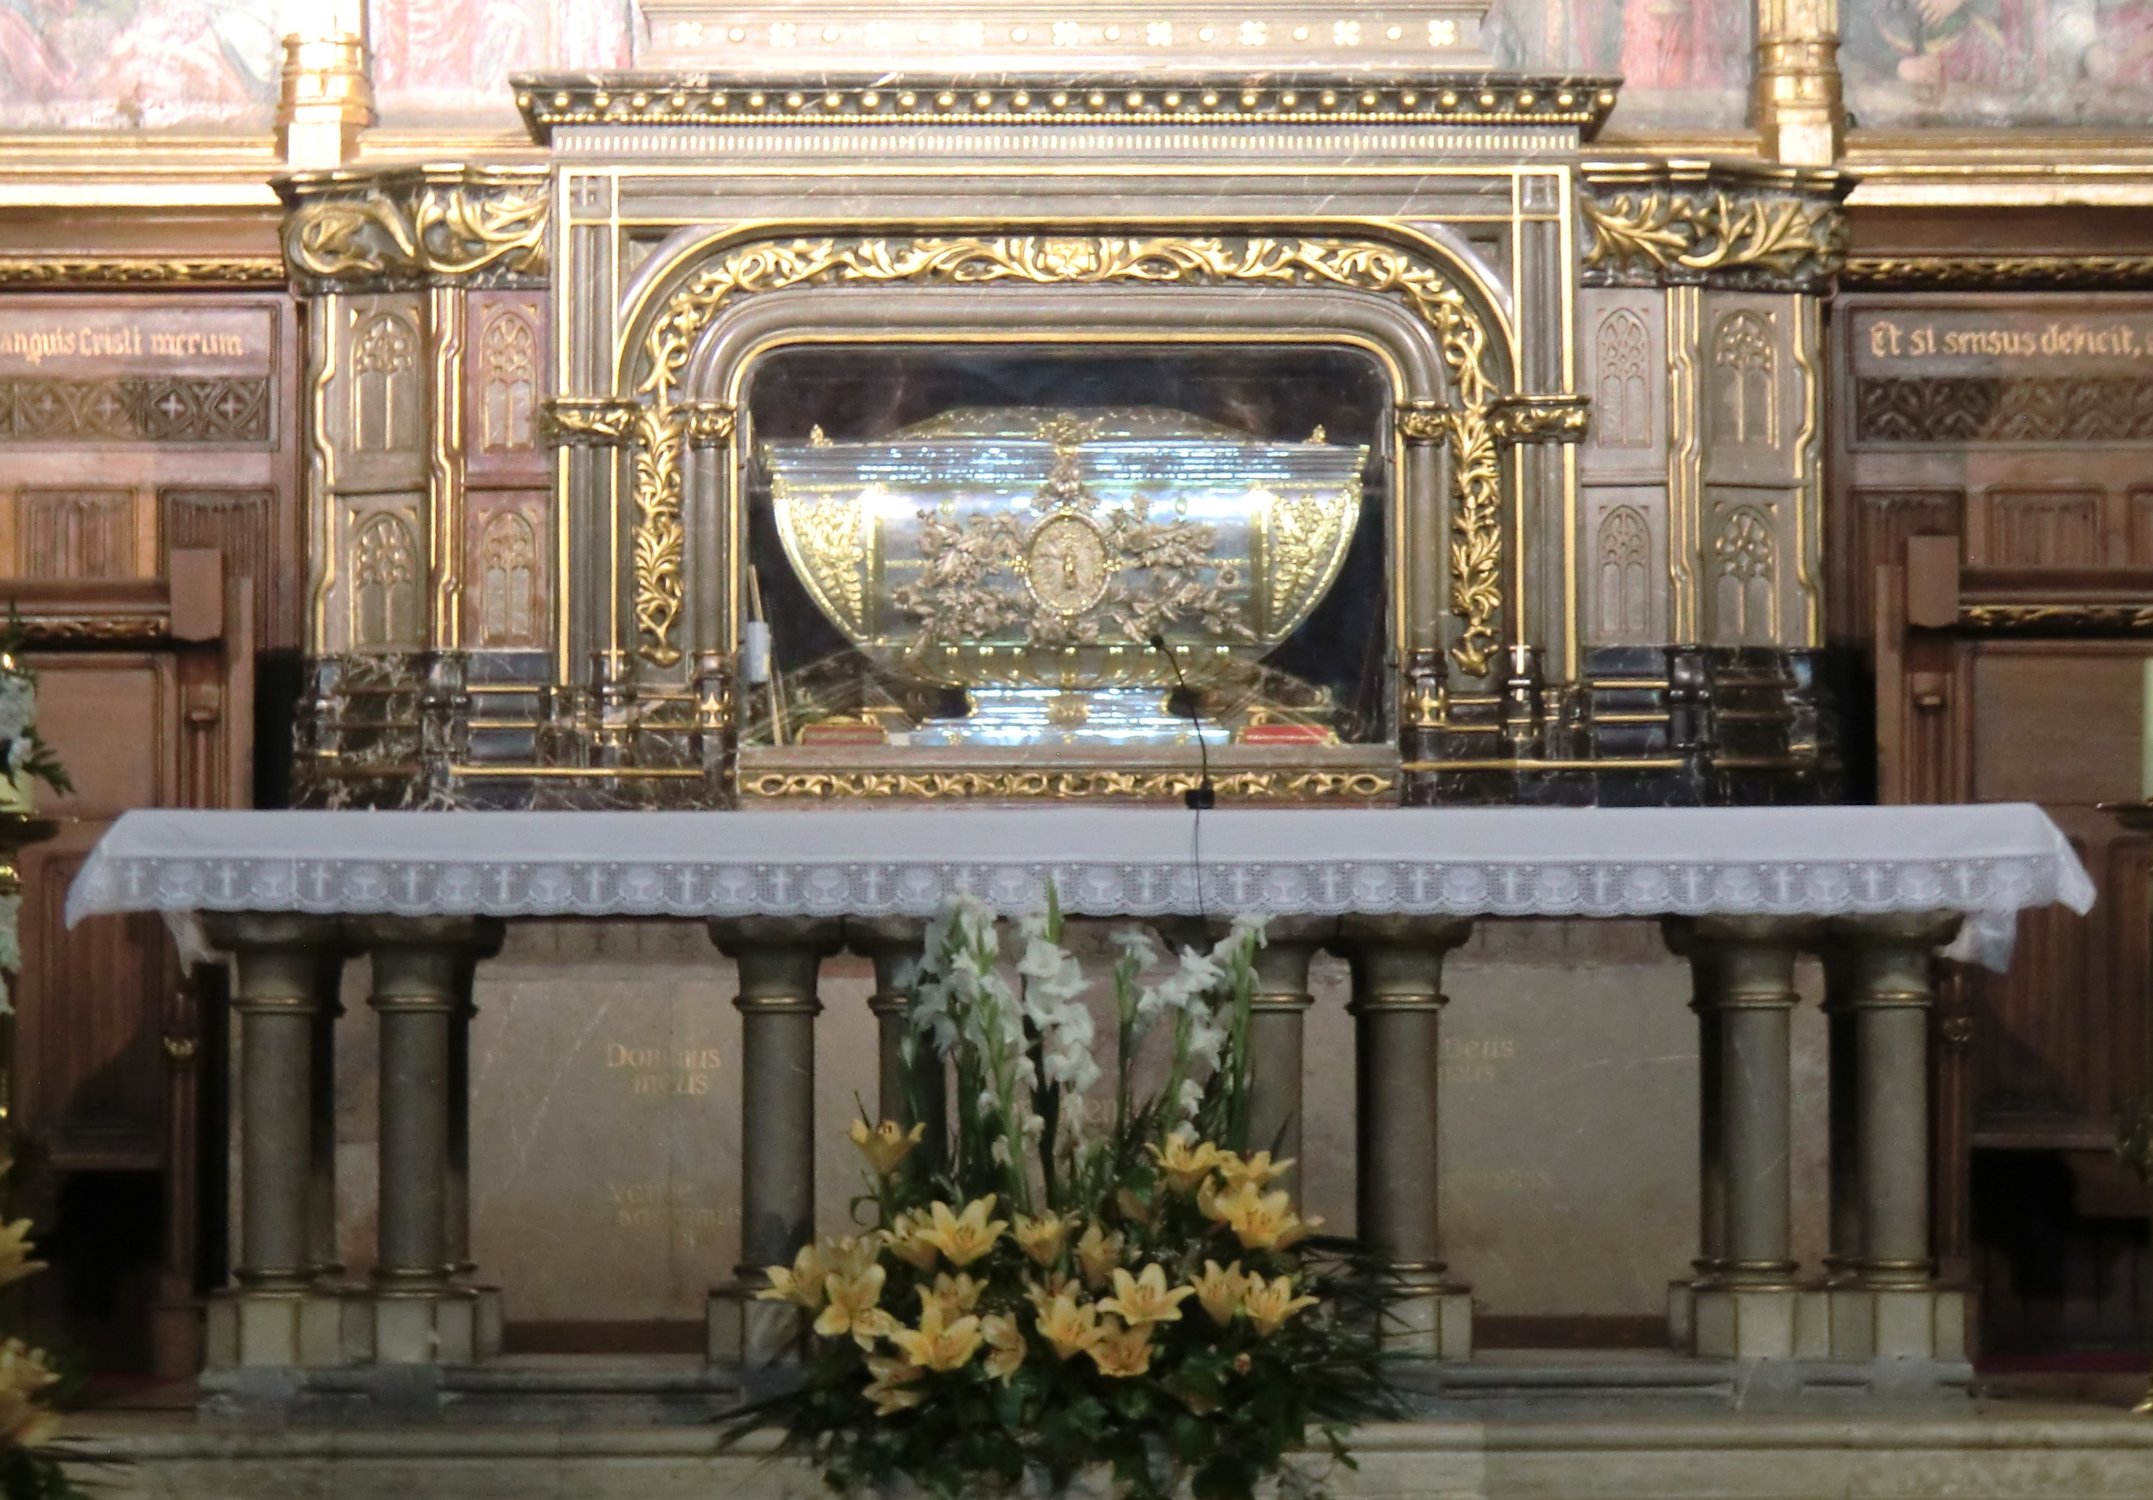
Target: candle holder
(2134,1130)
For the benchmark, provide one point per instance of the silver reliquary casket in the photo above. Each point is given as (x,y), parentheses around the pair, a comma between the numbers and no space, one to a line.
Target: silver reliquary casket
(1058,565)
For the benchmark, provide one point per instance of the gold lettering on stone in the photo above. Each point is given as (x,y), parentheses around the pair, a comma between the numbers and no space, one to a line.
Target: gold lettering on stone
(664,1072)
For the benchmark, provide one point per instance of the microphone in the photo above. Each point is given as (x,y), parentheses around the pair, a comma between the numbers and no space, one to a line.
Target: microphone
(1203,795)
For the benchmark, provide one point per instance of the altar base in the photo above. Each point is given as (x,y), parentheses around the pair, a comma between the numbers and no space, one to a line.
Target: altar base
(2002,1451)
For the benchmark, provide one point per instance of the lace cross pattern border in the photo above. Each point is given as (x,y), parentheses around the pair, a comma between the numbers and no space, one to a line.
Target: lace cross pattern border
(1986,861)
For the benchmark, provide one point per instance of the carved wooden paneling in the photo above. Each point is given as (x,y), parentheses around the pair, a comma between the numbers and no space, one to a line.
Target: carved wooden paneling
(2044,528)
(137,409)
(2031,1042)
(90,1058)
(1963,410)
(237,523)
(75,533)
(1745,381)
(1743,565)
(506,593)
(1624,413)
(1877,524)
(385,582)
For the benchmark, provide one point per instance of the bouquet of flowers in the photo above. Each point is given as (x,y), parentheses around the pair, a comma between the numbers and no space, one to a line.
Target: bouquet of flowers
(1068,1270)
(24,758)
(29,1470)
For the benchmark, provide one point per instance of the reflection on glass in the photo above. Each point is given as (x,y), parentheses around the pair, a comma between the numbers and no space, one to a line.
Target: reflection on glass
(939,567)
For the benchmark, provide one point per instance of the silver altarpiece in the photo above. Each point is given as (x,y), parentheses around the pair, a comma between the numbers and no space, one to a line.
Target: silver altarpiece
(865,407)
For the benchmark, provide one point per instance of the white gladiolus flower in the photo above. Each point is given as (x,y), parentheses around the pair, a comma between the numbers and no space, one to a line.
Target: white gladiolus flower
(1000,1150)
(1198,972)
(1136,943)
(1192,1095)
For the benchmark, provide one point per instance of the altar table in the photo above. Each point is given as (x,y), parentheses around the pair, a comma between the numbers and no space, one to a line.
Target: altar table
(1742,891)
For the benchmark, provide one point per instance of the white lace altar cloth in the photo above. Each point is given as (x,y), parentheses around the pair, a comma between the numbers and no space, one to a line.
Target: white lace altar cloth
(1986,861)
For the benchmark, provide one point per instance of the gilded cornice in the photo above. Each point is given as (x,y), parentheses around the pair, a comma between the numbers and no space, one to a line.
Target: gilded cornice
(69,272)
(414,227)
(1741,224)
(1998,273)
(1344,98)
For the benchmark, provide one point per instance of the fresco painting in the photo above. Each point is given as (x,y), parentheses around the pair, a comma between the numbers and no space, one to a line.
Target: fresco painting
(1685,63)
(447,62)
(137,64)
(1911,63)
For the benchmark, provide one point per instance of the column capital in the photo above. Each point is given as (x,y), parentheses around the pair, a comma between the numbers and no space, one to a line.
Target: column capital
(1915,929)
(481,935)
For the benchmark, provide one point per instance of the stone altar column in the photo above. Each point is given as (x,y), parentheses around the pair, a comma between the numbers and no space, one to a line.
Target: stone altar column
(1888,1303)
(1744,1308)
(324,1258)
(1278,1012)
(456,1197)
(421,1315)
(1397,1006)
(779,959)
(894,945)
(1711,1151)
(277,1314)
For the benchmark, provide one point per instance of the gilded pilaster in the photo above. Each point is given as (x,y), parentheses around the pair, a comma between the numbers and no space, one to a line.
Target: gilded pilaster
(1800,109)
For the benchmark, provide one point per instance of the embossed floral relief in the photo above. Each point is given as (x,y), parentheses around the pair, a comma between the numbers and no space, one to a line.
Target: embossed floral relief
(138,64)
(1682,62)
(1997,62)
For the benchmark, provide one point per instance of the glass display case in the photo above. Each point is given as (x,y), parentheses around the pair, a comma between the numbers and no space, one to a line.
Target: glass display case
(976,552)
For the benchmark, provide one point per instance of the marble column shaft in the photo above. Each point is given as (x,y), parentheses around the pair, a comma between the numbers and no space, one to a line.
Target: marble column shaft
(1278,1014)
(893,943)
(1397,1006)
(1754,996)
(1890,995)
(1711,1093)
(417,963)
(277,964)
(778,960)
(325,1261)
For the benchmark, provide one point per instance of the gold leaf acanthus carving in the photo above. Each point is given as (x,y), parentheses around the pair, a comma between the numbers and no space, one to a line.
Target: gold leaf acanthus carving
(1689,236)
(138,270)
(438,232)
(2059,618)
(1461,334)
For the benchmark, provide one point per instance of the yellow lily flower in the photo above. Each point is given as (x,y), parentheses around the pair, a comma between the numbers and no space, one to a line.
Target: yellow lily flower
(854,1309)
(1187,1162)
(1006,1341)
(906,1244)
(1146,1298)
(958,1294)
(895,1385)
(963,1238)
(1270,1303)
(1121,1352)
(23,1375)
(1069,1325)
(801,1283)
(15,1262)
(1042,1239)
(936,1344)
(850,1254)
(1257,1169)
(1041,1294)
(1097,1254)
(887,1144)
(1261,1221)
(1219,1292)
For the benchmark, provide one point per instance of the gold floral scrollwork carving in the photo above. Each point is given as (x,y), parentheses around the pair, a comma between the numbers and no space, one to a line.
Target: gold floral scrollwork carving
(1541,419)
(137,270)
(1460,330)
(1424,421)
(587,422)
(415,229)
(1676,236)
(1311,786)
(709,423)
(660,439)
(2059,619)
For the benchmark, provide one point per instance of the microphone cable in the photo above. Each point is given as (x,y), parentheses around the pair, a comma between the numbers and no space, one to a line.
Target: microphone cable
(1202,796)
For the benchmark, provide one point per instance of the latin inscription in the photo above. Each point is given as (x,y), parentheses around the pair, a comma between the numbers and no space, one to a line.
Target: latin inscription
(1971,341)
(1475,1059)
(663,1072)
(653,1207)
(108,340)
